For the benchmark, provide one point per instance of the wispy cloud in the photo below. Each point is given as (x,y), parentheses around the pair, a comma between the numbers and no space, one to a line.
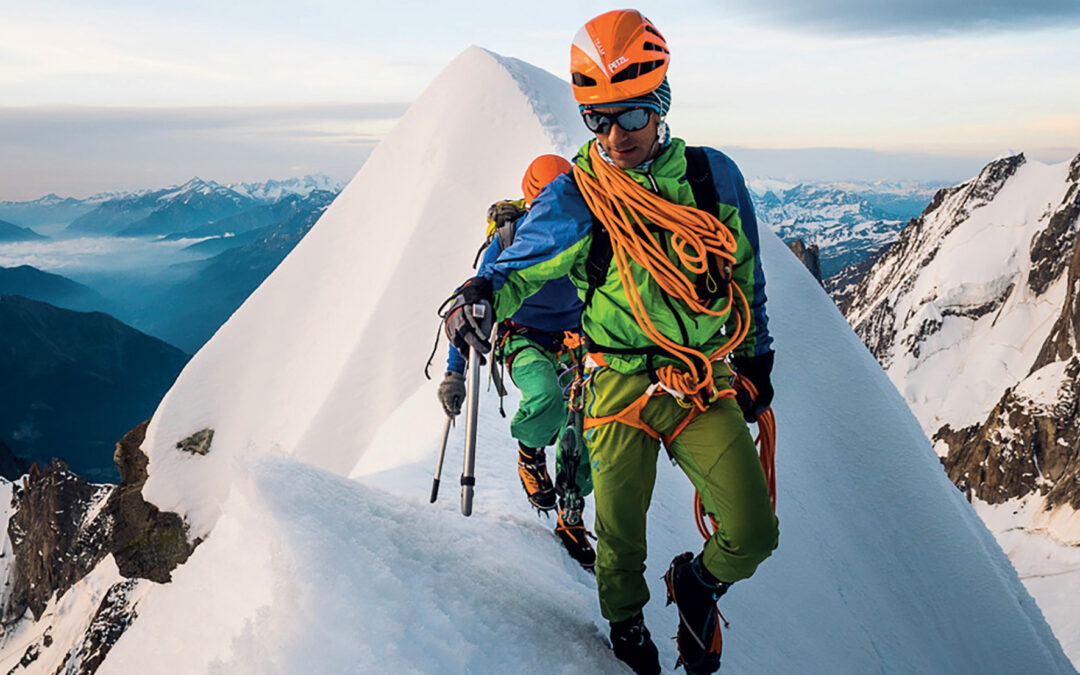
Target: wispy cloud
(914,17)
(35,122)
(80,150)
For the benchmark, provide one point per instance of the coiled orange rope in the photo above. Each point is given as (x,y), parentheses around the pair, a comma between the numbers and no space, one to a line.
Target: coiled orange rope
(626,209)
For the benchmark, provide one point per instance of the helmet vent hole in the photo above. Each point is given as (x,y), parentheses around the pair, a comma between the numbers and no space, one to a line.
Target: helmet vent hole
(628,73)
(582,80)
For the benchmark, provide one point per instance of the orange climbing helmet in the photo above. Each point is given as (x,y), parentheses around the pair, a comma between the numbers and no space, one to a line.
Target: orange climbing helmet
(542,171)
(617,56)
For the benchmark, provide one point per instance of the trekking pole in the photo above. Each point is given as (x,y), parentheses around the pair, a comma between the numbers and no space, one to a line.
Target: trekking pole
(442,454)
(472,407)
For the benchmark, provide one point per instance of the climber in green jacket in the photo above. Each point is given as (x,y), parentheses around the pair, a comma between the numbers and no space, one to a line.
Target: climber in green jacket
(661,242)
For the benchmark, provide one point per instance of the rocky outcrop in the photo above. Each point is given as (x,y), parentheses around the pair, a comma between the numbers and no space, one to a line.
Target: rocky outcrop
(54,537)
(1047,263)
(63,526)
(1064,338)
(1027,444)
(878,333)
(809,256)
(114,615)
(146,543)
(842,285)
(921,317)
(896,270)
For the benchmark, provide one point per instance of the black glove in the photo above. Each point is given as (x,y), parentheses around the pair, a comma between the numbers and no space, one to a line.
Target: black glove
(757,370)
(452,393)
(471,316)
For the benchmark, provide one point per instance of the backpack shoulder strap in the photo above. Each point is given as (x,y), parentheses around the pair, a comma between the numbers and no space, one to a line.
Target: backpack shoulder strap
(699,175)
(599,258)
(710,285)
(506,234)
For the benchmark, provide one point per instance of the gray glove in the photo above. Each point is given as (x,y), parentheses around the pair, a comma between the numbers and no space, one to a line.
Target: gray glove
(452,392)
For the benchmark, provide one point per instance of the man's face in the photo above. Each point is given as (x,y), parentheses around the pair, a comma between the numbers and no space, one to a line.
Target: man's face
(629,148)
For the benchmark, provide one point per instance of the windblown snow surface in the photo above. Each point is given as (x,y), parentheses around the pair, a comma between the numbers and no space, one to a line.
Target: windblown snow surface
(321,553)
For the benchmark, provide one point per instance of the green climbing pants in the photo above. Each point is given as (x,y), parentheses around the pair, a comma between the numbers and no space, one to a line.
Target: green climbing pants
(716,453)
(542,412)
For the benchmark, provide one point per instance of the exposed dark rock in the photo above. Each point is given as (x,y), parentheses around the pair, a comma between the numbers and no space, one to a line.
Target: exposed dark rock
(878,332)
(53,544)
(990,181)
(1064,338)
(913,341)
(114,615)
(146,543)
(810,256)
(1022,447)
(62,527)
(32,652)
(197,443)
(1074,168)
(840,286)
(1051,246)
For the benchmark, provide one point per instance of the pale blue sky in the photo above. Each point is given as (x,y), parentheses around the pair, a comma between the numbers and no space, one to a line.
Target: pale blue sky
(119,94)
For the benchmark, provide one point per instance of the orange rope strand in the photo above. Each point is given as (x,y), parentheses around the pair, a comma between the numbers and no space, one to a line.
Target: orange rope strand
(626,208)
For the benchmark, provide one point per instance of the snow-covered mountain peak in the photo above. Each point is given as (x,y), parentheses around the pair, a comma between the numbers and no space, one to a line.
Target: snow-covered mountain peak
(390,247)
(274,190)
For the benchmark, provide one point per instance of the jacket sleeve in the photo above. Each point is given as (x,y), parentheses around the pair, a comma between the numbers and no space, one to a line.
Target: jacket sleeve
(552,241)
(748,272)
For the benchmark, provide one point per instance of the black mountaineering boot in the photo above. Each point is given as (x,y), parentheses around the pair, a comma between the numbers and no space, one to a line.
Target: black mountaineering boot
(574,536)
(695,592)
(532,468)
(633,646)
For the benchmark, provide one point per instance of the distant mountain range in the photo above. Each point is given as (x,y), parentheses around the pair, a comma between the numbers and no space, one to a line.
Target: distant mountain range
(54,289)
(196,208)
(847,221)
(214,288)
(73,383)
(160,211)
(10,232)
(51,209)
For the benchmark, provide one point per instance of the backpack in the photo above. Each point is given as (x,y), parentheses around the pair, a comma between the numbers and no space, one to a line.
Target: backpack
(502,217)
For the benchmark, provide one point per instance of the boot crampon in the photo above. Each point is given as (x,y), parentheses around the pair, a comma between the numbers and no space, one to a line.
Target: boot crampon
(695,593)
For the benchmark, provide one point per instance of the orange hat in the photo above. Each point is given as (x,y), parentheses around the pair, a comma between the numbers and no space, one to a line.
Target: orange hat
(616,56)
(542,171)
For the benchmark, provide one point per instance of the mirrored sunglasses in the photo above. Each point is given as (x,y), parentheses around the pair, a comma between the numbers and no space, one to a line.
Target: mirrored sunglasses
(633,119)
